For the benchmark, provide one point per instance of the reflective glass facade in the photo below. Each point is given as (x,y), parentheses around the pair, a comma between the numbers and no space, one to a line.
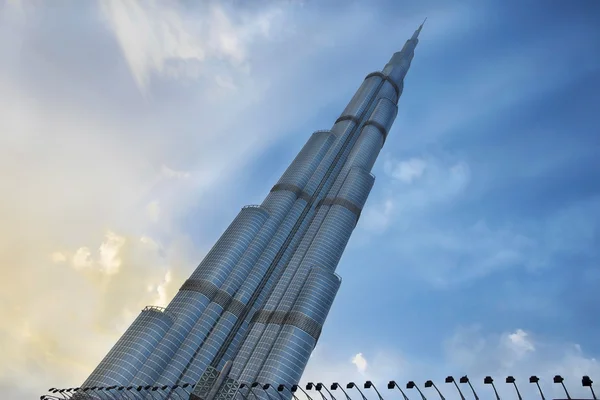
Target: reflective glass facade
(260,297)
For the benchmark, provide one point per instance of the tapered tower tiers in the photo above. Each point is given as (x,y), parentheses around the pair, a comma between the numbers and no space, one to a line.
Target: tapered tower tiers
(254,308)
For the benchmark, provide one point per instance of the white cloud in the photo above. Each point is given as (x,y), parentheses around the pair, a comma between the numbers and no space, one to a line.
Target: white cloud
(425,183)
(82,258)
(361,363)
(520,342)
(109,250)
(417,185)
(406,171)
(434,180)
(163,290)
(332,364)
(58,257)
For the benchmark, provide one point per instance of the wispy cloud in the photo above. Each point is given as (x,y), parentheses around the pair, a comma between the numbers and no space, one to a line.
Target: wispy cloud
(406,171)
(171,40)
(414,186)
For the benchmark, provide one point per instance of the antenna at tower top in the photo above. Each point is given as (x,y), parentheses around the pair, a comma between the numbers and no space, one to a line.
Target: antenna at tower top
(416,34)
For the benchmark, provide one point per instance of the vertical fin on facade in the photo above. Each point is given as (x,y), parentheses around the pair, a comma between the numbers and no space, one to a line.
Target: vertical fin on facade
(300,329)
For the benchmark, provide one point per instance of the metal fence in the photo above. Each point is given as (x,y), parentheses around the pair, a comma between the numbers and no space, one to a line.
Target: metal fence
(314,391)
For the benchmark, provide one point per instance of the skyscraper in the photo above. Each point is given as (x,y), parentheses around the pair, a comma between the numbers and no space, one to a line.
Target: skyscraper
(253,309)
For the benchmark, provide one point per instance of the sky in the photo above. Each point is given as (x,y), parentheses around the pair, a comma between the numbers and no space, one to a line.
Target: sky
(132,132)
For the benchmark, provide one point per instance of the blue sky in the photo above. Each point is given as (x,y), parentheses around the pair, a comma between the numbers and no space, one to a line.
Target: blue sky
(477,251)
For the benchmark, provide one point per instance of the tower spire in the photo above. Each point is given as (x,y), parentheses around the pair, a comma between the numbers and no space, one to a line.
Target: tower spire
(399,64)
(416,34)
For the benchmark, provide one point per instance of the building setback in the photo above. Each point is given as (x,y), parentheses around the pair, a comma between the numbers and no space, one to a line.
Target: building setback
(253,309)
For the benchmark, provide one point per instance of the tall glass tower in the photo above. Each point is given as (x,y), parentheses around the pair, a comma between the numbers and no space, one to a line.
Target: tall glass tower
(254,308)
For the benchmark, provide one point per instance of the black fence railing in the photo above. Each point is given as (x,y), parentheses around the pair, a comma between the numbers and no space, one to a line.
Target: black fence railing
(333,391)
